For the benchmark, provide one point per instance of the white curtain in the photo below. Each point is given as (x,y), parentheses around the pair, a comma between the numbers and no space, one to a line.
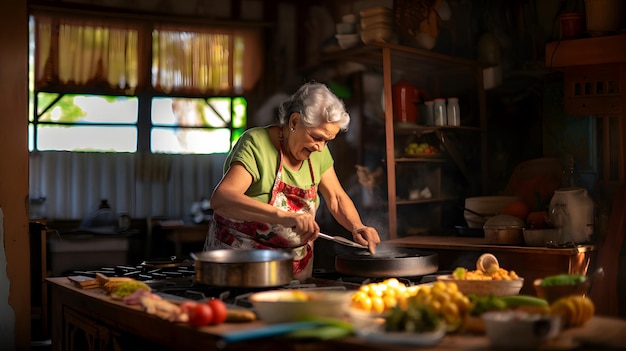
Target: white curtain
(73,184)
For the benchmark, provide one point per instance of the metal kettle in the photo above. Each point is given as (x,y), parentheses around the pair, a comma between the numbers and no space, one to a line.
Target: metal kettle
(572,210)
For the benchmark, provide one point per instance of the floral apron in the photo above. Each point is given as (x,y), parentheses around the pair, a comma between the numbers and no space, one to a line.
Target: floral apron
(238,234)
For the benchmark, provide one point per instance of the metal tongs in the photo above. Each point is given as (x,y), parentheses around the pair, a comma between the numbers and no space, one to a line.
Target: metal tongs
(341,240)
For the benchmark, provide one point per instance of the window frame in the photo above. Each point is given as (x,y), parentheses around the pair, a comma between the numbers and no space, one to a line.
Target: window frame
(144,91)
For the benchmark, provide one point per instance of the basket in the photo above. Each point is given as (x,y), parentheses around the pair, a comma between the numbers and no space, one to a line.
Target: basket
(486,287)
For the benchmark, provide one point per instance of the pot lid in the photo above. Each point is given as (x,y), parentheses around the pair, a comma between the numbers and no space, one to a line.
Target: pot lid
(504,221)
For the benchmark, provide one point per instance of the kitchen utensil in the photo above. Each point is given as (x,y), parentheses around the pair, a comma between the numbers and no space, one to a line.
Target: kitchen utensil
(480,208)
(387,262)
(541,236)
(504,230)
(291,305)
(244,268)
(265,332)
(485,287)
(341,240)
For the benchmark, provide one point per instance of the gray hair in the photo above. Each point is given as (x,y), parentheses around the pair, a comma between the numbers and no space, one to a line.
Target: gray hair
(316,104)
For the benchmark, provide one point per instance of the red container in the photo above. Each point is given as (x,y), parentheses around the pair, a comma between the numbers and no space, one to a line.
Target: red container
(405,97)
(572,25)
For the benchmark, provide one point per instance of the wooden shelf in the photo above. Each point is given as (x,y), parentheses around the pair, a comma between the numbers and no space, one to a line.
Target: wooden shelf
(588,51)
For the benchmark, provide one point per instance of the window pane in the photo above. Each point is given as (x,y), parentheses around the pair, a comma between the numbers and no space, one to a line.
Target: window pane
(191,112)
(87,138)
(240,108)
(190,140)
(87,108)
(190,61)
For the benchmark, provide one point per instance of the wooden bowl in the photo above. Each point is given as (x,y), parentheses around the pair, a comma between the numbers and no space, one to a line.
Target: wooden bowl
(555,292)
(486,287)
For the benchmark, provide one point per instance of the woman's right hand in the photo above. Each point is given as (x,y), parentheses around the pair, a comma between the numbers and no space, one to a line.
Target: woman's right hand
(304,225)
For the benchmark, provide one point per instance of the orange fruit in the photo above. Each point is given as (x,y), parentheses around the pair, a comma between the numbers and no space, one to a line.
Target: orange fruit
(537,219)
(518,209)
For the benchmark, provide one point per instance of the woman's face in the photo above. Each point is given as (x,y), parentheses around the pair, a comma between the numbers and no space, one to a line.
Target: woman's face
(306,140)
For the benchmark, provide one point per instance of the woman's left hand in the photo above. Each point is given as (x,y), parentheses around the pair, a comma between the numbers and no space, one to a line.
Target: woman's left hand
(367,236)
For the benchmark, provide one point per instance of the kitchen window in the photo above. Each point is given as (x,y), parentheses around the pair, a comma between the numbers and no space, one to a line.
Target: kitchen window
(136,86)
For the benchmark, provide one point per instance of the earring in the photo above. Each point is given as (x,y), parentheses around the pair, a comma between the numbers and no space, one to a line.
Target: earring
(293,130)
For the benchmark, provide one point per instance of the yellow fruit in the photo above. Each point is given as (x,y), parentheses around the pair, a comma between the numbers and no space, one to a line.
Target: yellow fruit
(574,310)
(378,305)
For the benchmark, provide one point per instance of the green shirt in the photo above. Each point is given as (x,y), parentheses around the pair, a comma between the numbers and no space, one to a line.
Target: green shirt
(255,151)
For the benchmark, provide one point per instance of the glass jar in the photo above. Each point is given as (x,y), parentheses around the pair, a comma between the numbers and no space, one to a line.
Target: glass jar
(453,112)
(439,112)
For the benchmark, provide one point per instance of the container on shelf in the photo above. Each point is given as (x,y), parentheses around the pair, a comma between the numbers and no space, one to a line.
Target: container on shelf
(429,118)
(453,112)
(405,97)
(440,112)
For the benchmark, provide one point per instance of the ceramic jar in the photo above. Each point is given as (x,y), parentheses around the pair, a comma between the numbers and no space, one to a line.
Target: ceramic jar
(405,97)
(572,210)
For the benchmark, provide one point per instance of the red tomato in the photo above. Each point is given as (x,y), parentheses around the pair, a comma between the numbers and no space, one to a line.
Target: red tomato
(219,310)
(201,314)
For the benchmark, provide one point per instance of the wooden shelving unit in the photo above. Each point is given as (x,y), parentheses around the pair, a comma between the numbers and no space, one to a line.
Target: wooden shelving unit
(388,58)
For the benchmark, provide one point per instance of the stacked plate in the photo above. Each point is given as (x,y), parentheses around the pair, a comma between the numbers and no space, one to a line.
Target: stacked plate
(376,24)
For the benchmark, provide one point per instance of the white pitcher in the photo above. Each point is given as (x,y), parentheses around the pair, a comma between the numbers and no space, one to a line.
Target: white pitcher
(572,210)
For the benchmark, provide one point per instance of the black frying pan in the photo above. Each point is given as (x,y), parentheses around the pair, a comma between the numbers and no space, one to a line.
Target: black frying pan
(387,263)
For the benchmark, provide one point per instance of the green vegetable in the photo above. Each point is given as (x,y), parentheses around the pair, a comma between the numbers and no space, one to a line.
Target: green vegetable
(416,318)
(124,289)
(482,304)
(563,279)
(329,328)
(515,301)
(459,273)
(324,332)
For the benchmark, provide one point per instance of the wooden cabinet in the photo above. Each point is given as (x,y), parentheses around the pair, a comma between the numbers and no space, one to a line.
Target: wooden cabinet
(463,146)
(594,72)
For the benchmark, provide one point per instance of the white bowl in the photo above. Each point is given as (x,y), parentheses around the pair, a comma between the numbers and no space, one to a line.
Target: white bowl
(519,329)
(347,40)
(487,206)
(292,305)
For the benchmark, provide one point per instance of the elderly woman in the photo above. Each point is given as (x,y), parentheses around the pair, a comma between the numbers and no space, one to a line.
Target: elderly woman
(268,196)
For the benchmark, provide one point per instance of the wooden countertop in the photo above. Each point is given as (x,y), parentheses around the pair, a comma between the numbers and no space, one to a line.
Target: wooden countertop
(95,304)
(473,244)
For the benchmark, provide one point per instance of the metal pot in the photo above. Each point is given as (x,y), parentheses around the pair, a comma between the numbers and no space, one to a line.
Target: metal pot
(504,230)
(391,262)
(244,268)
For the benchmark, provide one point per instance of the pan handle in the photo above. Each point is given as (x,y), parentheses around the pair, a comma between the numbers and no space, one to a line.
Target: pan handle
(341,240)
